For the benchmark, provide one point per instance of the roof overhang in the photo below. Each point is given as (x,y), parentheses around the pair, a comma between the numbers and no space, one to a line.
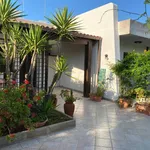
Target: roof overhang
(50,28)
(132,27)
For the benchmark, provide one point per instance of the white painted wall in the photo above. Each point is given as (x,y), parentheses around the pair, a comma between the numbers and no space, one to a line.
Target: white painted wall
(133,27)
(75,58)
(107,28)
(130,46)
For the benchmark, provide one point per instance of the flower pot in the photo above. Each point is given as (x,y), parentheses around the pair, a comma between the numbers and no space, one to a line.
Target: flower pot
(140,108)
(124,103)
(143,108)
(95,98)
(69,108)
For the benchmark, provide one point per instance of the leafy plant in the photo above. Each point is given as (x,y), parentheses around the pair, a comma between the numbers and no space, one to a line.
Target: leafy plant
(60,67)
(35,42)
(8,13)
(67,95)
(14,110)
(41,107)
(133,72)
(65,23)
(100,90)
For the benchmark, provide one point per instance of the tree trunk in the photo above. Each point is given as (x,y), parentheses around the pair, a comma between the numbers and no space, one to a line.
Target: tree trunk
(7,70)
(33,69)
(56,78)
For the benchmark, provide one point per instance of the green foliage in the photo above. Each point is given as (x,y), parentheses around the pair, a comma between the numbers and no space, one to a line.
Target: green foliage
(35,42)
(34,39)
(65,23)
(67,95)
(14,110)
(100,90)
(147,2)
(60,67)
(9,12)
(133,72)
(41,107)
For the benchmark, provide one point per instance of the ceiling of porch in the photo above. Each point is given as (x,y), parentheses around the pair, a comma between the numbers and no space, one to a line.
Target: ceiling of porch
(134,40)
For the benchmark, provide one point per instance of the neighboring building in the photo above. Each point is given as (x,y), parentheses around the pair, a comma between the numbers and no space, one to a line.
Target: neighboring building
(102,41)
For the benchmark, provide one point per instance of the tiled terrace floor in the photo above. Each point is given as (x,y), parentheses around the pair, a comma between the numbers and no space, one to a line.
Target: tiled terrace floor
(99,126)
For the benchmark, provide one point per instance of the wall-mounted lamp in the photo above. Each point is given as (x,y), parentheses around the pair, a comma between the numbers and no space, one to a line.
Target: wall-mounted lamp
(106,56)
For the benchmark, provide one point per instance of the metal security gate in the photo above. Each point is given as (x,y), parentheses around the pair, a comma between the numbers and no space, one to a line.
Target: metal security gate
(41,71)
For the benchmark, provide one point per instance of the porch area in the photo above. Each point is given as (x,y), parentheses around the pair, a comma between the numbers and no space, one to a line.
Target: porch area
(99,126)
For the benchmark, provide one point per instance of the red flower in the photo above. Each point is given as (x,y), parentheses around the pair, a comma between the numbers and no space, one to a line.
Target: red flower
(22,86)
(38,98)
(11,135)
(5,91)
(33,115)
(14,82)
(26,81)
(29,105)
(1,120)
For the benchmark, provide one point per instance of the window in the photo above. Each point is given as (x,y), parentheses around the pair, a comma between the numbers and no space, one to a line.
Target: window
(125,54)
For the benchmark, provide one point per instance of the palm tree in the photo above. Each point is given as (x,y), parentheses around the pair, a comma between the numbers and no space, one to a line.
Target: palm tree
(15,36)
(65,24)
(35,43)
(8,13)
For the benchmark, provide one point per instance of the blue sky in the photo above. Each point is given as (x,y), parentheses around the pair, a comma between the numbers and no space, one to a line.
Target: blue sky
(36,9)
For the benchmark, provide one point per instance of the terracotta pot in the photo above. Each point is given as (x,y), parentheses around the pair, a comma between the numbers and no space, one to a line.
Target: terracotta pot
(143,108)
(69,108)
(125,104)
(140,108)
(95,98)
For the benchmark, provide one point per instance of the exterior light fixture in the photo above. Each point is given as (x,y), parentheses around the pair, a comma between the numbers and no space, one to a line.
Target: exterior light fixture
(106,56)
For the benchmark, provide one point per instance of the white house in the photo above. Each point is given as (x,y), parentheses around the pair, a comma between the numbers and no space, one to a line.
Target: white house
(117,39)
(102,40)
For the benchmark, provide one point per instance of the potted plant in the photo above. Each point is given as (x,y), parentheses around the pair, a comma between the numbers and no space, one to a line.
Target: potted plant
(124,102)
(99,93)
(69,106)
(142,105)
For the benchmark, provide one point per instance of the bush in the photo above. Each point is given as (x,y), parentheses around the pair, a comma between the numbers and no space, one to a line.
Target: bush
(133,72)
(14,110)
(19,112)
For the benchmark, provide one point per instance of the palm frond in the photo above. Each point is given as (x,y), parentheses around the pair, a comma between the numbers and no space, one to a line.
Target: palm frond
(65,23)
(9,12)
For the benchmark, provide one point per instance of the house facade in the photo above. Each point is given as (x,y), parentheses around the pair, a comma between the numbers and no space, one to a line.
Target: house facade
(118,38)
(102,41)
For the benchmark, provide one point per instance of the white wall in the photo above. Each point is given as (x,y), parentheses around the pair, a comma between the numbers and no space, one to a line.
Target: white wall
(75,58)
(107,28)
(129,47)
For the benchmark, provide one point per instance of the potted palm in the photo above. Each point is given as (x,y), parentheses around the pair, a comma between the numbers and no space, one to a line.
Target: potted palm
(69,106)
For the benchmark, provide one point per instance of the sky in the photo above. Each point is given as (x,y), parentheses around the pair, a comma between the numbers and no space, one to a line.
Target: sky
(37,9)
